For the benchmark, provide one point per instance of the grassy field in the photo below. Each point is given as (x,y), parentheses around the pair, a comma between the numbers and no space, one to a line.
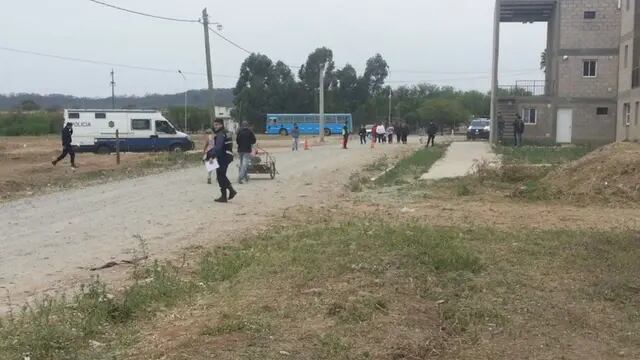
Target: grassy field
(41,123)
(343,290)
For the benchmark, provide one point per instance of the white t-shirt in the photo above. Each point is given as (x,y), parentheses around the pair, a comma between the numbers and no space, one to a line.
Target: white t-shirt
(380,130)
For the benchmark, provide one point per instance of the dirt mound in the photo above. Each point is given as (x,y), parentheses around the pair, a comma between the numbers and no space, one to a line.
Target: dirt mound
(610,173)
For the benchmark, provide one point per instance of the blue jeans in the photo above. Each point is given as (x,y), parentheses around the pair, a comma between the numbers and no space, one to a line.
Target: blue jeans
(245,159)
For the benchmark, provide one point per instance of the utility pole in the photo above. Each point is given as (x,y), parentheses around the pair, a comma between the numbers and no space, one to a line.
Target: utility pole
(186,92)
(113,90)
(207,48)
(493,137)
(323,67)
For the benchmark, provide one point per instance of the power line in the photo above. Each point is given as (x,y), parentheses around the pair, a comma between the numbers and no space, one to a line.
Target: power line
(230,41)
(144,14)
(97,62)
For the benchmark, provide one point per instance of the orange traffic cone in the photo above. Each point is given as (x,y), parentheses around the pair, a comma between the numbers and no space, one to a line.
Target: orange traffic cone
(306,144)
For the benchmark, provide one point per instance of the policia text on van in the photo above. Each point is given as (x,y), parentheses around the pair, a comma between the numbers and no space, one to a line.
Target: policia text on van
(139,130)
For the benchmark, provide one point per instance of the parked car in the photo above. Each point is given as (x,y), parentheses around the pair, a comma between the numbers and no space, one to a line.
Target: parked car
(479,129)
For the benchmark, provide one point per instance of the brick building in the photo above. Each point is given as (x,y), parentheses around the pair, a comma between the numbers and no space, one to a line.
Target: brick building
(588,95)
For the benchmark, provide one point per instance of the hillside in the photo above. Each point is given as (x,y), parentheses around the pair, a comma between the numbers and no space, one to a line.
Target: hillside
(224,97)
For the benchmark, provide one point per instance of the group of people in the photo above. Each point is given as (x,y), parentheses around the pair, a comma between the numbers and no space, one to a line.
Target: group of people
(381,134)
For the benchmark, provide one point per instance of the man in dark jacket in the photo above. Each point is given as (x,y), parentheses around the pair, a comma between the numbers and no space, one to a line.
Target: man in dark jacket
(432,130)
(223,153)
(245,140)
(405,133)
(363,135)
(518,130)
(67,132)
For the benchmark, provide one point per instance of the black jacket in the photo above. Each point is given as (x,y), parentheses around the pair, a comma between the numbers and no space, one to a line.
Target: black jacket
(363,132)
(245,140)
(223,147)
(66,136)
(432,130)
(518,126)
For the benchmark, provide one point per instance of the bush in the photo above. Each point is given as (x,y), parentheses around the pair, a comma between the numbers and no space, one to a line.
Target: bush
(19,124)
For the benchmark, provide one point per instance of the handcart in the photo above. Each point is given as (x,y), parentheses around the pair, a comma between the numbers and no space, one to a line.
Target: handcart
(262,162)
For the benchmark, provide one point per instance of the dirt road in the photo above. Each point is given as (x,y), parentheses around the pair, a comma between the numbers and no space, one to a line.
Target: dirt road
(49,242)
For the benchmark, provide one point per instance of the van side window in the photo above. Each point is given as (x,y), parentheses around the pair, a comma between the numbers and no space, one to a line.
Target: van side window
(74,115)
(140,124)
(101,115)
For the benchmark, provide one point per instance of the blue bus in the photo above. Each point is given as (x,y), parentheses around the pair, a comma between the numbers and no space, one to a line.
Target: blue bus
(309,124)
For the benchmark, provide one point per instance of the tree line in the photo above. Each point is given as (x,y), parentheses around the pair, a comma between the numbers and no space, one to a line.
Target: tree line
(265,86)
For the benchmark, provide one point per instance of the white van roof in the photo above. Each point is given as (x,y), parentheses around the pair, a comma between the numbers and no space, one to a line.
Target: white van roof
(112,111)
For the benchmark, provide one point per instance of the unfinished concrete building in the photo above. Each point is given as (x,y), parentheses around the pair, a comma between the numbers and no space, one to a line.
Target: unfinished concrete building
(629,81)
(578,100)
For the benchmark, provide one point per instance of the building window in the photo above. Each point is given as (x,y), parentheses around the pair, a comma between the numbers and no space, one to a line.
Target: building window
(637,110)
(101,115)
(627,114)
(530,116)
(590,68)
(589,15)
(140,124)
(626,56)
(74,115)
(602,111)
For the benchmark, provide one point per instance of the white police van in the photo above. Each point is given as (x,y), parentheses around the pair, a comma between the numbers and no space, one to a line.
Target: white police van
(138,130)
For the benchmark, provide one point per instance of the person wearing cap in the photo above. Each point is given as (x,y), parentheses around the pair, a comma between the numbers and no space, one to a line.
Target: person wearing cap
(67,148)
(207,148)
(245,140)
(223,153)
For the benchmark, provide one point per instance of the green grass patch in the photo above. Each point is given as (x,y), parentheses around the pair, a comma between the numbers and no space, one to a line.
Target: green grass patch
(40,123)
(554,155)
(412,167)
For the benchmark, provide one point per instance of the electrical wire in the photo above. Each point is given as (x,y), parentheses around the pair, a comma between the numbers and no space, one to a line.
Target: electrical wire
(144,14)
(118,65)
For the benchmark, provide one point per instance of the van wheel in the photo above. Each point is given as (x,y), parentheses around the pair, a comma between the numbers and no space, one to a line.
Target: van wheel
(327,132)
(283,132)
(103,150)
(176,148)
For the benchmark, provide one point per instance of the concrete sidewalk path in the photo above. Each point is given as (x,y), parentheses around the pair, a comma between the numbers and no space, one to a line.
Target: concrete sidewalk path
(459,160)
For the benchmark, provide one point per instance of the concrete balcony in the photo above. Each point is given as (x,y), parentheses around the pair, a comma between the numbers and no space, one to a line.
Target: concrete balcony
(526,11)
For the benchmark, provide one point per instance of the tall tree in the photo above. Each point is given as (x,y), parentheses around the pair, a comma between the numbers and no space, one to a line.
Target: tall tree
(310,75)
(253,89)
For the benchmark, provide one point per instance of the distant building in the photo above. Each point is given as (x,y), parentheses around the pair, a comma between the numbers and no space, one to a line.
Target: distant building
(591,91)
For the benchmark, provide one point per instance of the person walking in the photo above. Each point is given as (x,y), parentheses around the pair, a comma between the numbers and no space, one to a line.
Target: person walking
(295,137)
(67,148)
(518,130)
(380,132)
(245,141)
(432,130)
(390,132)
(345,136)
(363,135)
(398,131)
(404,133)
(223,153)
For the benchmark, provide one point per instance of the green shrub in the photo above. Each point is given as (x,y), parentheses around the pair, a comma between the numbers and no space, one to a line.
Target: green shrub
(34,124)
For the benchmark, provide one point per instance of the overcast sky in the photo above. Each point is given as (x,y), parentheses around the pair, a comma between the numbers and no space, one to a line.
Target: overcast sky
(442,42)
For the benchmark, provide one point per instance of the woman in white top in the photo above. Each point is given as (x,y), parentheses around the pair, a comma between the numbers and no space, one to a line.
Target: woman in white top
(381,131)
